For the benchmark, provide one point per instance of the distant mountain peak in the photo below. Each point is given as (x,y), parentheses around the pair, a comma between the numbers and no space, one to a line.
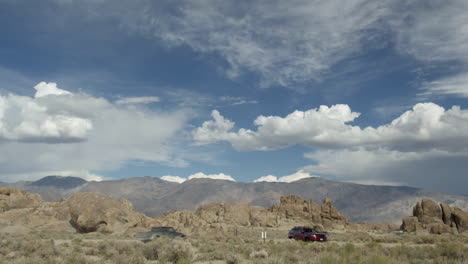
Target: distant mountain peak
(64,182)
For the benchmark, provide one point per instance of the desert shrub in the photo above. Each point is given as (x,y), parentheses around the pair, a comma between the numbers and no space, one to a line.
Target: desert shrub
(330,259)
(379,259)
(178,251)
(75,259)
(259,254)
(425,239)
(233,259)
(134,258)
(451,250)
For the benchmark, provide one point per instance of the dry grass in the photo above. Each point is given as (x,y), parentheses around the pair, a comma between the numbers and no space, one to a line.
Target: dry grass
(48,247)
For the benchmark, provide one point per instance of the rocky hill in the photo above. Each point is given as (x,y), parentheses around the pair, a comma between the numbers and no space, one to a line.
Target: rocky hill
(83,212)
(223,217)
(436,218)
(153,196)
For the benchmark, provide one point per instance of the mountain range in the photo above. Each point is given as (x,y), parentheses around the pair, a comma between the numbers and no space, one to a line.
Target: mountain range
(153,196)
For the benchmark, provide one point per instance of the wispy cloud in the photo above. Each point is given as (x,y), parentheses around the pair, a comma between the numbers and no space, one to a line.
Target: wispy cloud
(138,100)
(454,85)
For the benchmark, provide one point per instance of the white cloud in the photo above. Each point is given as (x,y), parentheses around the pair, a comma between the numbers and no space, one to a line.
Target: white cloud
(138,100)
(219,176)
(426,146)
(176,179)
(285,43)
(28,119)
(198,175)
(432,30)
(299,175)
(45,89)
(431,169)
(426,126)
(90,134)
(453,85)
(268,178)
(294,42)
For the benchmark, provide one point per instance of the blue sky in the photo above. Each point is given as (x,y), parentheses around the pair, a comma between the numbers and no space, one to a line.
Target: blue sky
(359,91)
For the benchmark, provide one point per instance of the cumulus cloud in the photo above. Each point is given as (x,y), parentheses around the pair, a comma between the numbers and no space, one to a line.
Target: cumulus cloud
(426,146)
(426,126)
(299,175)
(90,134)
(219,176)
(199,175)
(138,100)
(45,89)
(24,118)
(176,179)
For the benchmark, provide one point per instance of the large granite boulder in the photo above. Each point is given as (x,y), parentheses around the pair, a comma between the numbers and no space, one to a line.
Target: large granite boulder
(410,224)
(460,218)
(439,228)
(446,213)
(90,212)
(436,218)
(11,198)
(428,212)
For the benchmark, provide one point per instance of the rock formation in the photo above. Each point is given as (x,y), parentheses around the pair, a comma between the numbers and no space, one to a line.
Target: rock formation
(90,212)
(435,218)
(292,210)
(85,212)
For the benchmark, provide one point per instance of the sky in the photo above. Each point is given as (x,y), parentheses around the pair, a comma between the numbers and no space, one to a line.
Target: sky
(371,92)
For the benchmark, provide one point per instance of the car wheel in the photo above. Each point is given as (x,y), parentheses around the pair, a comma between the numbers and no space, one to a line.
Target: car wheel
(307,239)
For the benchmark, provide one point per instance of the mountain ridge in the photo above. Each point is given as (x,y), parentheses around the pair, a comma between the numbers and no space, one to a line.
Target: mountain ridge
(153,196)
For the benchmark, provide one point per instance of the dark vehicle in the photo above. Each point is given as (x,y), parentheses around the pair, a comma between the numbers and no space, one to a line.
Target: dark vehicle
(307,234)
(158,231)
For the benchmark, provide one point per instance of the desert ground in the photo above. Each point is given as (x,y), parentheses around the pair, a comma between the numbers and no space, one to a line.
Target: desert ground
(243,246)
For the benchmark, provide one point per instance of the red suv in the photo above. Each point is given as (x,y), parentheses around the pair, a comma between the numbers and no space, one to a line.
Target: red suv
(307,234)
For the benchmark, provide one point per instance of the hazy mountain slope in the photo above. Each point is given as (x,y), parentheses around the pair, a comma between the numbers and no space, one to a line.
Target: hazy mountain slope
(153,196)
(59,182)
(358,202)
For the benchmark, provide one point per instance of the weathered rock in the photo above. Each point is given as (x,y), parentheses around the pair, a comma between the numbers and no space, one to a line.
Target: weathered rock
(428,212)
(90,212)
(461,219)
(226,217)
(410,224)
(11,198)
(330,212)
(439,228)
(446,213)
(436,218)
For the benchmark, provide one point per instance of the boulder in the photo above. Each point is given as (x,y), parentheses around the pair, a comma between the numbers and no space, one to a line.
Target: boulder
(11,198)
(446,213)
(460,218)
(428,212)
(439,228)
(410,224)
(90,212)
(437,219)
(330,212)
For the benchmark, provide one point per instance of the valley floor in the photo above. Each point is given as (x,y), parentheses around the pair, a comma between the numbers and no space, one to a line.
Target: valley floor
(245,246)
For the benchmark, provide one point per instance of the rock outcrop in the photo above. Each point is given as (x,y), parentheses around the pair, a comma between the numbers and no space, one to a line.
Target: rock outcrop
(84,212)
(90,212)
(11,198)
(435,218)
(291,210)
